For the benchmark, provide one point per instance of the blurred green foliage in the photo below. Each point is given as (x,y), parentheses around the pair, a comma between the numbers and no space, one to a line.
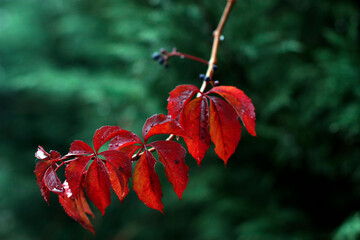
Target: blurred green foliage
(68,67)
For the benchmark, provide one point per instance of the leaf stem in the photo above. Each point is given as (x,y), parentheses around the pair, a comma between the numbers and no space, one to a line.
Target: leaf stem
(174,52)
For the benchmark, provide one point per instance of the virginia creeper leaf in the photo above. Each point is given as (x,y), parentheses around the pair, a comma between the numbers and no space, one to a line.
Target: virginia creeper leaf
(241,103)
(40,170)
(225,128)
(122,139)
(52,182)
(172,155)
(74,172)
(80,148)
(161,124)
(119,168)
(46,160)
(178,98)
(76,207)
(104,134)
(129,150)
(98,185)
(54,155)
(146,182)
(195,121)
(41,154)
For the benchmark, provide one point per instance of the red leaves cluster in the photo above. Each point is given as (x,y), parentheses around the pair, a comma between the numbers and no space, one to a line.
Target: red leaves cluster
(94,172)
(219,123)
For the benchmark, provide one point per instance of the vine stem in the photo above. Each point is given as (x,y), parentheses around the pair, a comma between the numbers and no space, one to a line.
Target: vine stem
(213,60)
(174,52)
(216,33)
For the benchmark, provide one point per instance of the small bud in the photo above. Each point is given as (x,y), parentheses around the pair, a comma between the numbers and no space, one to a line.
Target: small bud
(155,56)
(215,67)
(216,83)
(207,79)
(202,76)
(161,61)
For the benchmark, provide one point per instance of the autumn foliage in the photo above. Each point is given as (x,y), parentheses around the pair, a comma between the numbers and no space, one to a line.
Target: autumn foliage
(196,116)
(96,172)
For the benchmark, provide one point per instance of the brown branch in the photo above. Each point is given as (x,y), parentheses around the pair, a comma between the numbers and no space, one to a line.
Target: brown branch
(217,33)
(213,59)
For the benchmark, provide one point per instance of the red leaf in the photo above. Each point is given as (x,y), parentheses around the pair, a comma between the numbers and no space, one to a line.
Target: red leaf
(241,103)
(129,150)
(172,155)
(161,124)
(98,185)
(54,154)
(119,167)
(52,182)
(41,154)
(40,170)
(225,128)
(195,121)
(46,160)
(74,172)
(146,182)
(80,148)
(104,134)
(122,139)
(76,207)
(178,98)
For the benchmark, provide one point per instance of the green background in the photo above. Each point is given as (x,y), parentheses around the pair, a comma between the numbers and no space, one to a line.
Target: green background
(68,67)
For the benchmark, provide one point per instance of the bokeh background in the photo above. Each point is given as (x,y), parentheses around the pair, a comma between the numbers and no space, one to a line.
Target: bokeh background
(68,67)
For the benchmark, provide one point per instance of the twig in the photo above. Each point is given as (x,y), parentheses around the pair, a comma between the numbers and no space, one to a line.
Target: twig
(174,52)
(213,59)
(217,33)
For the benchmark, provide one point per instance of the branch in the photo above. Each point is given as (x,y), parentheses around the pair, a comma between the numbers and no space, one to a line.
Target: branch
(164,56)
(217,33)
(211,63)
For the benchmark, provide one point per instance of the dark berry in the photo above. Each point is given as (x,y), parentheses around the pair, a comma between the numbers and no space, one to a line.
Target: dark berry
(202,76)
(216,83)
(155,56)
(207,79)
(215,67)
(161,61)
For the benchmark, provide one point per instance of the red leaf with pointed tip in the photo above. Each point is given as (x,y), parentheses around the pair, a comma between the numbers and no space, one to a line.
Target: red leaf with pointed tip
(80,148)
(241,103)
(104,134)
(41,154)
(52,182)
(98,185)
(76,207)
(40,170)
(225,128)
(172,155)
(74,172)
(46,160)
(130,150)
(119,167)
(122,139)
(146,182)
(179,97)
(195,121)
(85,204)
(54,154)
(161,124)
